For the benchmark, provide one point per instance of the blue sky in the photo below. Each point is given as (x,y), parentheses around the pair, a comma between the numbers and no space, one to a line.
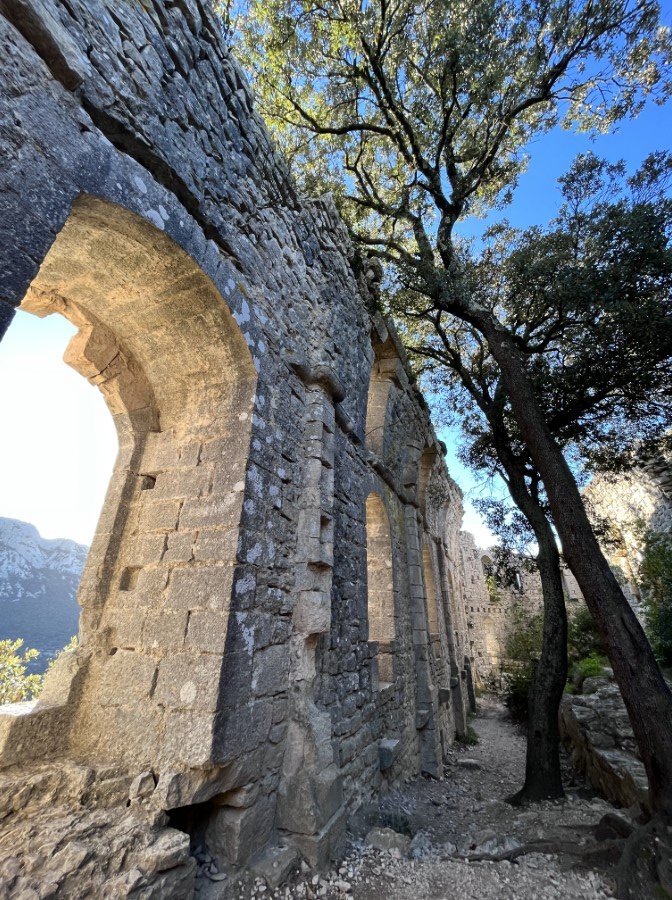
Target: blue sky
(55,468)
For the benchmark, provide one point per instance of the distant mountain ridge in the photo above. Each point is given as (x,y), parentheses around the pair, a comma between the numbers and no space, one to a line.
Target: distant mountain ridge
(38,588)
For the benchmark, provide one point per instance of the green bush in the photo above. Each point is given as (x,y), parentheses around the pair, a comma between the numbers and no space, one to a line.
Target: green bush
(592,665)
(656,585)
(583,638)
(15,684)
(523,649)
(518,682)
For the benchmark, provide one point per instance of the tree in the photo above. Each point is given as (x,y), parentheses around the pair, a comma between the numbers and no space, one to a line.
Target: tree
(590,299)
(15,684)
(415,114)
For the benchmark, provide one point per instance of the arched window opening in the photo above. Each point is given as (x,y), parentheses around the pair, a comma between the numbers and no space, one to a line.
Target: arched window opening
(432,599)
(380,582)
(55,466)
(384,374)
(157,338)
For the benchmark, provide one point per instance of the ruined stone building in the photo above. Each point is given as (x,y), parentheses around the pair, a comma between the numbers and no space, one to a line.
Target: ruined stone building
(500,606)
(274,621)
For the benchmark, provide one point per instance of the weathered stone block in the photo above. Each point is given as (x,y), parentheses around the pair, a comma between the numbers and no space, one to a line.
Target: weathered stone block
(205,587)
(189,681)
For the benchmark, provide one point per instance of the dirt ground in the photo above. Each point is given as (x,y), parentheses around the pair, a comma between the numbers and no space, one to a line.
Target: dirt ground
(457,839)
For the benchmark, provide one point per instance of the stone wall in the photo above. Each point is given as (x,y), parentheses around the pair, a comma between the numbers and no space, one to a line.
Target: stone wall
(274,623)
(497,608)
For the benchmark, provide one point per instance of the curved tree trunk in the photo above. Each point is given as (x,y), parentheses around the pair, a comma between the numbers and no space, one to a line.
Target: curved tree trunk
(646,696)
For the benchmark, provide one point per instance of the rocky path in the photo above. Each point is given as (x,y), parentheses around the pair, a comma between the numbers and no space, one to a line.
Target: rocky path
(456,838)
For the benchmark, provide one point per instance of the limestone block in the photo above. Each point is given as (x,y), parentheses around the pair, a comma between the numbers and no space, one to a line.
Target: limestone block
(205,587)
(242,730)
(234,835)
(188,738)
(207,631)
(179,546)
(170,849)
(308,800)
(275,865)
(164,629)
(389,841)
(158,515)
(126,677)
(216,510)
(270,670)
(142,786)
(216,544)
(182,483)
(189,681)
(320,848)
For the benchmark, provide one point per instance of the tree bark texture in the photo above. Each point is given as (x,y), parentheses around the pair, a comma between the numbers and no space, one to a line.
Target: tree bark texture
(645,693)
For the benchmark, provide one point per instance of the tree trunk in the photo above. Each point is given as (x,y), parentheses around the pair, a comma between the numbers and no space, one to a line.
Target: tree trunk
(543,777)
(646,696)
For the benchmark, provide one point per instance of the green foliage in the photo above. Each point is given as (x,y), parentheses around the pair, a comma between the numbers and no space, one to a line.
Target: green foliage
(492,586)
(518,682)
(585,649)
(656,584)
(70,647)
(523,648)
(469,738)
(583,638)
(589,667)
(15,684)
(421,112)
(525,637)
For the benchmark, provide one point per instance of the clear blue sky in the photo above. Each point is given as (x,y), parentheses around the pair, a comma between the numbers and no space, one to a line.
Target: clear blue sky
(55,467)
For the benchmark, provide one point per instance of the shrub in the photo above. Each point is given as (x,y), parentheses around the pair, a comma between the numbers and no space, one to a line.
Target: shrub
(15,684)
(523,648)
(583,638)
(518,682)
(589,667)
(656,585)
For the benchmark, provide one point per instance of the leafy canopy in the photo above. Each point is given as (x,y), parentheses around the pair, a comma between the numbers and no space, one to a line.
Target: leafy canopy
(589,301)
(414,114)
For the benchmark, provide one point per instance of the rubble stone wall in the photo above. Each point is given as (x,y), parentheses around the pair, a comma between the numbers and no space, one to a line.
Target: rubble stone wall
(227,691)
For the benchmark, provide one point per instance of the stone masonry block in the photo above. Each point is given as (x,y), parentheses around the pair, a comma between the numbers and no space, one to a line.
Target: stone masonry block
(189,681)
(207,631)
(270,670)
(204,587)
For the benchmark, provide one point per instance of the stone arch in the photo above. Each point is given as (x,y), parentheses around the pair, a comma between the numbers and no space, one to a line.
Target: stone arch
(158,339)
(380,584)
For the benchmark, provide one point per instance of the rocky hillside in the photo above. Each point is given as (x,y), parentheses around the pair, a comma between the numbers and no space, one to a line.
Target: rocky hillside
(38,587)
